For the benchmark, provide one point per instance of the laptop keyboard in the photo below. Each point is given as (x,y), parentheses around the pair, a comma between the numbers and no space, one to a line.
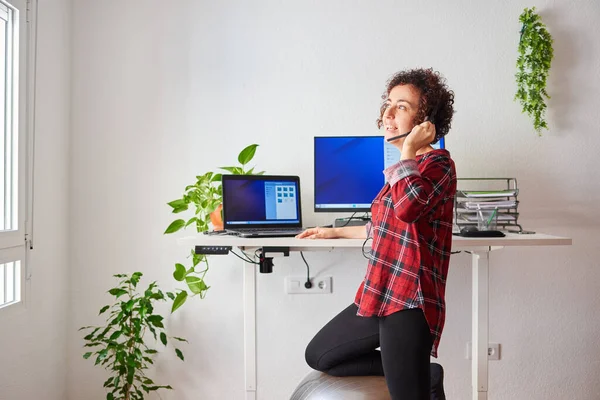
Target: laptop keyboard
(270,230)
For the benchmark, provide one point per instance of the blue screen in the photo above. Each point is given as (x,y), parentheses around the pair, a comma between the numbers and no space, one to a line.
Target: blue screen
(251,202)
(349,171)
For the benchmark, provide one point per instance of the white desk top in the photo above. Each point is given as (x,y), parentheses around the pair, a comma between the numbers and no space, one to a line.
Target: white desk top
(458,242)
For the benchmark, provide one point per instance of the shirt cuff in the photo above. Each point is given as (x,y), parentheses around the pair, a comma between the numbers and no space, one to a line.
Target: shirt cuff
(368,228)
(401,170)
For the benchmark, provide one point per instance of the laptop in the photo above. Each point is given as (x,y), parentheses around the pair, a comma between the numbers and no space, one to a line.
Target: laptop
(262,205)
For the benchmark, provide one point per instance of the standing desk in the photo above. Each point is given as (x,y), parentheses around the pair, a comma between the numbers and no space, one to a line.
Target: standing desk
(479,248)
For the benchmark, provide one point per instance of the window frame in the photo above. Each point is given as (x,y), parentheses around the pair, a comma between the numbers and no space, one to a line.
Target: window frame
(15,244)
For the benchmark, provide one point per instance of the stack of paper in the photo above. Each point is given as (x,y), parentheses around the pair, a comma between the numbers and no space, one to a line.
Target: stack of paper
(489,205)
(487,193)
(504,201)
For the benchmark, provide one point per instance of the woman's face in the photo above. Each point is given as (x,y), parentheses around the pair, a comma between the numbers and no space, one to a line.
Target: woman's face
(400,110)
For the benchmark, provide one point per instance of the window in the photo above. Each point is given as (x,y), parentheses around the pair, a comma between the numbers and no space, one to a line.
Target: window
(10,278)
(13,143)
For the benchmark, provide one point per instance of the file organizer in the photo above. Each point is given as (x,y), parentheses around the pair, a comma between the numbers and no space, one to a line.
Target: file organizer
(487,193)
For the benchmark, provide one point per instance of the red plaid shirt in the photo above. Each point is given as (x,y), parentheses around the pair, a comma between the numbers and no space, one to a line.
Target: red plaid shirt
(411,226)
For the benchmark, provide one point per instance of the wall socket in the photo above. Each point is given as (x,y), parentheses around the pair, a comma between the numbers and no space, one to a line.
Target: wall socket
(320,285)
(493,351)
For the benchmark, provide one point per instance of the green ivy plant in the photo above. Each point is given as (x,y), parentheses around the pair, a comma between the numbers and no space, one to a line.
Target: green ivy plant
(121,346)
(203,197)
(533,65)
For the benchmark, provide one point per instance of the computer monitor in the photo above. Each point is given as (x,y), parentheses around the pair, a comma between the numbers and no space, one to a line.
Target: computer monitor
(349,171)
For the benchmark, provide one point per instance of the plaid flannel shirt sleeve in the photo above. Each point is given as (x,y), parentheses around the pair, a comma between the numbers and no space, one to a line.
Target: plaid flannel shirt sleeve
(416,192)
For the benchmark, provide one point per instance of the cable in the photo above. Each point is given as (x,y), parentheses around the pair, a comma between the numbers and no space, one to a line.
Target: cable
(308,283)
(242,258)
(348,220)
(244,253)
(365,242)
(365,216)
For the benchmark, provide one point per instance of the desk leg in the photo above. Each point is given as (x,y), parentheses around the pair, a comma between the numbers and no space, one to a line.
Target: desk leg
(250,330)
(479,335)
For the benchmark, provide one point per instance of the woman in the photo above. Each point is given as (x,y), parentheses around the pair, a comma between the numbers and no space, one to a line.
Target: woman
(400,306)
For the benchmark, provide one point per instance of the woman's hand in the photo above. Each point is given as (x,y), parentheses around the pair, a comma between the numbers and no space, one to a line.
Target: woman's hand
(421,135)
(318,233)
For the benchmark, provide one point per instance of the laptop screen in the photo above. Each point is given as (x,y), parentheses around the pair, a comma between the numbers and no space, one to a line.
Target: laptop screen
(256,201)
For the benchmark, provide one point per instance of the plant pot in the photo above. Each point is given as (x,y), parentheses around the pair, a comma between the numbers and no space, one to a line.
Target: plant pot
(216,218)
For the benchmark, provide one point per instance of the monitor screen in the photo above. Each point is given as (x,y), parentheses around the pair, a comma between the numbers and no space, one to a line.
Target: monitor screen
(267,200)
(349,171)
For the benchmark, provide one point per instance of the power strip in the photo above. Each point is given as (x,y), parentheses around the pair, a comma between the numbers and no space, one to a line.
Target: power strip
(213,250)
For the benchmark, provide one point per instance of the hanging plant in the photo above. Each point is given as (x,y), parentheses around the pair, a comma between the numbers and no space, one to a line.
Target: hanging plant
(533,65)
(205,198)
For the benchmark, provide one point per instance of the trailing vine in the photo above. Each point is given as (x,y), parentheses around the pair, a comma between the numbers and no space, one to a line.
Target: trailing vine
(533,65)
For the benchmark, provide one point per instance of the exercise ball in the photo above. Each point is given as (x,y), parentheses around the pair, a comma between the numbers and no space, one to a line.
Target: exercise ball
(320,386)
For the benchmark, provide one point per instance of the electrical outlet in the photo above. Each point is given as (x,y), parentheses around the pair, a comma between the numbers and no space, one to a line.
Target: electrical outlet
(493,351)
(295,285)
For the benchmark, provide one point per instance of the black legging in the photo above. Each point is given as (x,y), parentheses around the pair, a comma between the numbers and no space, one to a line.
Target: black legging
(347,345)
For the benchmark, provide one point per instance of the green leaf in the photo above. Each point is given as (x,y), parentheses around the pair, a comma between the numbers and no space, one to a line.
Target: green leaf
(179,300)
(217,178)
(175,226)
(117,292)
(171,295)
(151,351)
(135,278)
(180,339)
(153,331)
(129,305)
(179,203)
(101,356)
(163,338)
(196,258)
(179,273)
(87,355)
(103,309)
(158,296)
(195,284)
(179,354)
(156,320)
(234,170)
(84,327)
(115,335)
(247,154)
(192,279)
(130,375)
(117,319)
(110,396)
(191,221)
(108,382)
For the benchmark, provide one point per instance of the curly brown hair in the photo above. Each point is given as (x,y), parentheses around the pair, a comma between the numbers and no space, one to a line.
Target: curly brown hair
(435,98)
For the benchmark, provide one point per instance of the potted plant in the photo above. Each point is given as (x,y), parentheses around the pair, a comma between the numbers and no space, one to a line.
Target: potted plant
(533,65)
(205,197)
(121,346)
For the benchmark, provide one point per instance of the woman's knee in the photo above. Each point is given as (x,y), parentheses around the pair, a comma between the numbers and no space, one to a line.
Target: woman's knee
(312,355)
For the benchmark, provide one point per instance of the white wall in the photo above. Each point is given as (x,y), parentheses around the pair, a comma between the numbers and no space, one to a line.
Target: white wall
(162,92)
(33,344)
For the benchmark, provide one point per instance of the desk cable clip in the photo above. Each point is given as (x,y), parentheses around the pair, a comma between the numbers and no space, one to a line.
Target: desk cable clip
(265,262)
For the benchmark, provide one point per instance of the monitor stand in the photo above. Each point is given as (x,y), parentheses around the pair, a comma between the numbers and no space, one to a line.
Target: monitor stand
(356,221)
